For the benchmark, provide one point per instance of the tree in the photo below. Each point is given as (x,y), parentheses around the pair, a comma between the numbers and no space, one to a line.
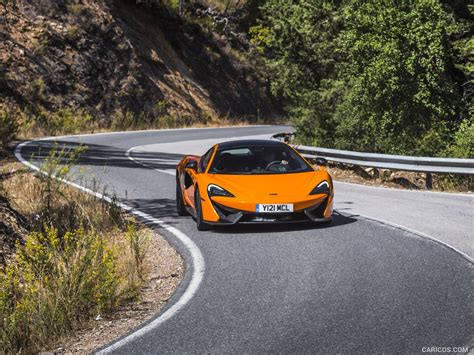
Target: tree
(302,55)
(373,75)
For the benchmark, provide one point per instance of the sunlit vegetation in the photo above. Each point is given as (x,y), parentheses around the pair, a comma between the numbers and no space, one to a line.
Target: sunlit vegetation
(83,257)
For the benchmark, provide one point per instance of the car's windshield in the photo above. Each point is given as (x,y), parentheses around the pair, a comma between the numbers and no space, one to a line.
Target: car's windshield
(263,159)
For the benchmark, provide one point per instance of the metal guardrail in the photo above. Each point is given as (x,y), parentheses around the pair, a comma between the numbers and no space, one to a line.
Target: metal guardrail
(426,165)
(394,162)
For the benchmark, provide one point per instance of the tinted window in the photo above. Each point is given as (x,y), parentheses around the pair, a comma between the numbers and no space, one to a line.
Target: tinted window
(265,159)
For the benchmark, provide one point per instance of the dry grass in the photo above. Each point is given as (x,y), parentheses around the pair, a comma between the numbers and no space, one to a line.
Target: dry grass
(26,125)
(83,257)
(164,271)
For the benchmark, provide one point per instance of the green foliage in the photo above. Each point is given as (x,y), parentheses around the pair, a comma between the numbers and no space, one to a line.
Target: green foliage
(38,86)
(55,168)
(138,243)
(161,106)
(463,145)
(83,259)
(123,120)
(52,285)
(399,89)
(260,37)
(76,9)
(66,121)
(302,55)
(463,48)
(373,76)
(62,121)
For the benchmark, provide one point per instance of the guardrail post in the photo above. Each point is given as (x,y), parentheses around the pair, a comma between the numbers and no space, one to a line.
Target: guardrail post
(429,181)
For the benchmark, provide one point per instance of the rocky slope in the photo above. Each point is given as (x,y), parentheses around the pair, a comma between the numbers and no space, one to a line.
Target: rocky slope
(102,56)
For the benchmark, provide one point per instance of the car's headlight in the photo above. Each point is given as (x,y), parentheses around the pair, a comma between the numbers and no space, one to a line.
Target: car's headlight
(214,190)
(322,188)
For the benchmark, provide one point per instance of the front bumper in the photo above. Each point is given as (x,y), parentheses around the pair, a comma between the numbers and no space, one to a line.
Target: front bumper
(229,216)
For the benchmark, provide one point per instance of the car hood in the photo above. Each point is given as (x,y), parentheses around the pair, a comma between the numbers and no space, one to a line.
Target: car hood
(256,186)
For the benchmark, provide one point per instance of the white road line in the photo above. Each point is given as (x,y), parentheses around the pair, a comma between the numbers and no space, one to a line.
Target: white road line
(203,144)
(128,154)
(148,130)
(417,233)
(197,258)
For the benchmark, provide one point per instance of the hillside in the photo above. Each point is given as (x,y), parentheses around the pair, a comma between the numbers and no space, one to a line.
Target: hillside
(102,56)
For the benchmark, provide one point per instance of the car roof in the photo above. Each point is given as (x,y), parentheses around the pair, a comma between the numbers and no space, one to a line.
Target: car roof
(249,143)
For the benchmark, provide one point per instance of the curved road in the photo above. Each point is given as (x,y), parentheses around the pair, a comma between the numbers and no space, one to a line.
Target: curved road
(354,286)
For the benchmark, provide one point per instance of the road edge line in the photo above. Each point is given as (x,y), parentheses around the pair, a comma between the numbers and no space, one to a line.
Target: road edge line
(149,130)
(197,259)
(136,161)
(417,233)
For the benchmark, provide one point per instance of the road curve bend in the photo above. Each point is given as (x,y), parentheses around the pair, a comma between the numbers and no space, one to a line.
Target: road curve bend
(354,286)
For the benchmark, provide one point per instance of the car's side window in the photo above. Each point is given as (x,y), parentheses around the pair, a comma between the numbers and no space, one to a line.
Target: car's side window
(205,160)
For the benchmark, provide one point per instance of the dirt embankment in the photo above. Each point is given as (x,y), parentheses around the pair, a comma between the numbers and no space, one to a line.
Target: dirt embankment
(102,56)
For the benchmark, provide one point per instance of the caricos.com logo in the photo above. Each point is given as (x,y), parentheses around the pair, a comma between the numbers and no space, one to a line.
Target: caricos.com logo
(445,349)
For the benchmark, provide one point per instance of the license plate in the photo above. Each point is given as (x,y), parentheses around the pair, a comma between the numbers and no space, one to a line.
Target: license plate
(275,208)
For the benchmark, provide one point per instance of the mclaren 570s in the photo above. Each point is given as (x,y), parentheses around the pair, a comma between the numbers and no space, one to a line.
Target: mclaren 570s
(253,181)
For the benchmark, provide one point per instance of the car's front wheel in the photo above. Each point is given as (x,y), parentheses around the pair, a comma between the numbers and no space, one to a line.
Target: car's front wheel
(201,225)
(180,207)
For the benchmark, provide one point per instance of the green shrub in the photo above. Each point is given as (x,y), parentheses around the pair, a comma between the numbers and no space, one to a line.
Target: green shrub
(138,247)
(38,86)
(161,106)
(123,120)
(463,145)
(53,284)
(84,258)
(55,208)
(65,121)
(260,37)
(56,282)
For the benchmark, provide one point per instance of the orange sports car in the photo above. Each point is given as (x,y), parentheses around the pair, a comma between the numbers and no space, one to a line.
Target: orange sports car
(253,181)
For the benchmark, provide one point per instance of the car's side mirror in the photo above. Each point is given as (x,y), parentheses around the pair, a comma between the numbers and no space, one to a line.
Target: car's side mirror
(321,161)
(192,164)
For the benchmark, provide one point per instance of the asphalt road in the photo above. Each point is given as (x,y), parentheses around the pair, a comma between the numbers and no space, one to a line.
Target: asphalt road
(356,286)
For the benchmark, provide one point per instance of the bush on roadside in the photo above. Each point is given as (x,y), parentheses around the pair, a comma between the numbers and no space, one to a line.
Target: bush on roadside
(84,257)
(62,121)
(463,146)
(53,284)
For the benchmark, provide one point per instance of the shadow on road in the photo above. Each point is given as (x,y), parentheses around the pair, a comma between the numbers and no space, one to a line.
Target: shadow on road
(338,220)
(106,156)
(166,208)
(100,155)
(158,208)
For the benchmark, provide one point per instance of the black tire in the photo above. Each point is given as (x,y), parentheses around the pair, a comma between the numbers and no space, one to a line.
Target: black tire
(180,207)
(200,224)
